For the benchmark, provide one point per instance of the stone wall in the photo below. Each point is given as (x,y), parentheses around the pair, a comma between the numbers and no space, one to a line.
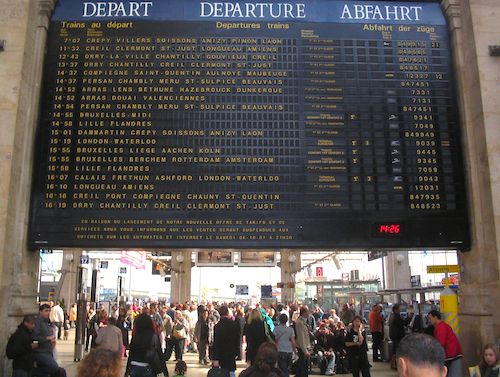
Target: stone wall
(473,27)
(23,26)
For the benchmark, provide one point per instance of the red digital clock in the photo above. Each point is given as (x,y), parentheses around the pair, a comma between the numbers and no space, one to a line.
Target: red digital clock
(387,229)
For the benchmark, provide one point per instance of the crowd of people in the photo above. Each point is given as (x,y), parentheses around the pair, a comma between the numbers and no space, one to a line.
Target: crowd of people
(272,340)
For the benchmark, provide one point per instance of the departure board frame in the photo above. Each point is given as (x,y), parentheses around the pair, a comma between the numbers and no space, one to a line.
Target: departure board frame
(237,124)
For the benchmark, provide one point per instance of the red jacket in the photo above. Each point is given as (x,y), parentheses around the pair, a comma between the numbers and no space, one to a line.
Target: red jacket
(376,321)
(445,335)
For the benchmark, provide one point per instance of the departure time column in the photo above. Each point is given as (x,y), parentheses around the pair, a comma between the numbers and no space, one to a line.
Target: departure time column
(61,118)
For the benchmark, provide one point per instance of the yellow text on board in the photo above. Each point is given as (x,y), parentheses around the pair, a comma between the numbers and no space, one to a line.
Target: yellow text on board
(442,269)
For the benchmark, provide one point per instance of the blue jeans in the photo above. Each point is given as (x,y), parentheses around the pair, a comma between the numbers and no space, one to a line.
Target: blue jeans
(284,361)
(45,363)
(137,371)
(330,367)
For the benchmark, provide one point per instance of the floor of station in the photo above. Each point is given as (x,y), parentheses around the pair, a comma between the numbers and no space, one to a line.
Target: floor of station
(65,358)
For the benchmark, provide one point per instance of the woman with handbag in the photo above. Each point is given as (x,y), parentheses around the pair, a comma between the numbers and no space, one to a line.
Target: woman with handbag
(145,352)
(179,335)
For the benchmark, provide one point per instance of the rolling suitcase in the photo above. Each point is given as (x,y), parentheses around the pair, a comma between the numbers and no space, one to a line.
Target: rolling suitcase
(386,353)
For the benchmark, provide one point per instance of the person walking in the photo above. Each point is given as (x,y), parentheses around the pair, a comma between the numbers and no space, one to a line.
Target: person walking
(285,341)
(304,346)
(226,342)
(241,321)
(201,337)
(145,353)
(56,317)
(110,337)
(73,315)
(178,337)
(255,334)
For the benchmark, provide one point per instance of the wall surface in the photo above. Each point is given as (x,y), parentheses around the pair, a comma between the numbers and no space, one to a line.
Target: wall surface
(473,27)
(23,26)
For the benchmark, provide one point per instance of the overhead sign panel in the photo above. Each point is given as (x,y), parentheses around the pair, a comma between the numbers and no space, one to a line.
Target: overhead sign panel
(257,258)
(198,124)
(212,258)
(442,269)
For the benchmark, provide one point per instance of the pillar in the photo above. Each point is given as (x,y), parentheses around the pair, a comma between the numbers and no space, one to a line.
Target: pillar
(23,25)
(71,261)
(398,274)
(181,276)
(473,26)
(290,264)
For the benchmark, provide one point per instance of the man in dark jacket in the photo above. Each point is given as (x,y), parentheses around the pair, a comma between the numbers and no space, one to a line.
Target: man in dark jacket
(396,331)
(20,348)
(44,334)
(226,342)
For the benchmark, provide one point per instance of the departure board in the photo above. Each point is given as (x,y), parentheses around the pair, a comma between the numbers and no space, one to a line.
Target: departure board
(199,124)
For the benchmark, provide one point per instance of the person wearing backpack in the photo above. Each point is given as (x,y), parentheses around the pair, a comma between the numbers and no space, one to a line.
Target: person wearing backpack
(20,348)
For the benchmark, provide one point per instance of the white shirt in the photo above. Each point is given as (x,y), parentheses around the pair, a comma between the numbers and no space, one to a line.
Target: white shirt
(56,314)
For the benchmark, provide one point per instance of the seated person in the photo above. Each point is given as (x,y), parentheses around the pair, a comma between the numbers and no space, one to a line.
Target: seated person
(324,347)
(489,365)
(43,354)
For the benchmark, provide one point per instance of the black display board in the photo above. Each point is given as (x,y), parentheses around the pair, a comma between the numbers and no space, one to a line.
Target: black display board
(325,124)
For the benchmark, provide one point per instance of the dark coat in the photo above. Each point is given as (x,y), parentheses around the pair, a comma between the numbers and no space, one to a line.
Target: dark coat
(256,335)
(226,343)
(252,371)
(396,327)
(43,329)
(145,348)
(20,350)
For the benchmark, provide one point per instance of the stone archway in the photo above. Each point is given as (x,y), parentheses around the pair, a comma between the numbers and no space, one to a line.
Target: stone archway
(473,26)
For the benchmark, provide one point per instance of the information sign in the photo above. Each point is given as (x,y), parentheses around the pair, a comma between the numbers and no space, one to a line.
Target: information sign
(242,290)
(212,258)
(415,281)
(373,255)
(319,271)
(266,291)
(327,124)
(442,269)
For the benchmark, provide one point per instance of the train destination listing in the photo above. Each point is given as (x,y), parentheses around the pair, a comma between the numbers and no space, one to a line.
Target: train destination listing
(330,124)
